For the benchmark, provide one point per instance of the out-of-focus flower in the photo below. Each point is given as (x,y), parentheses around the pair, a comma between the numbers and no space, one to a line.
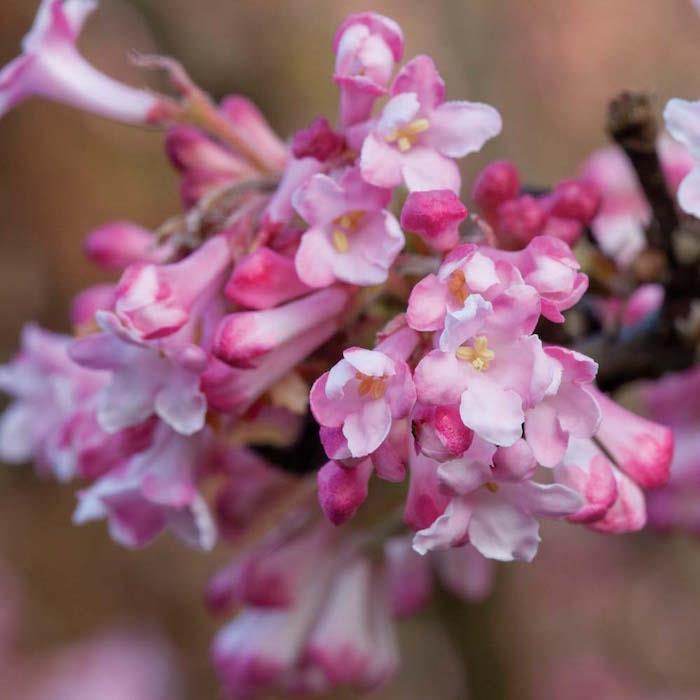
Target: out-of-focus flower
(51,66)
(619,225)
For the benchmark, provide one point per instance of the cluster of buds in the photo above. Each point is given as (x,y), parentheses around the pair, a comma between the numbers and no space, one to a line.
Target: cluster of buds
(291,284)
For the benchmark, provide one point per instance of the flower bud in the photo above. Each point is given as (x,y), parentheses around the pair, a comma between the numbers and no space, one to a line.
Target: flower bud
(498,182)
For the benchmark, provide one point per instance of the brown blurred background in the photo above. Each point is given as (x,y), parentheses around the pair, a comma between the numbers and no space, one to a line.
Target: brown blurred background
(549,66)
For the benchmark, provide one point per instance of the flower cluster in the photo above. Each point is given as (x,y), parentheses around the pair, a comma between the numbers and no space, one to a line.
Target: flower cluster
(294,295)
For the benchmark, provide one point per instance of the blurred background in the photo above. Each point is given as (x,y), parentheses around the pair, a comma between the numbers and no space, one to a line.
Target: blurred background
(608,609)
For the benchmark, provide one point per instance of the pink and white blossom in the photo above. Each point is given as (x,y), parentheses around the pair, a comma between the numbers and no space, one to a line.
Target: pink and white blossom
(363,394)
(418,134)
(352,237)
(367,46)
(51,66)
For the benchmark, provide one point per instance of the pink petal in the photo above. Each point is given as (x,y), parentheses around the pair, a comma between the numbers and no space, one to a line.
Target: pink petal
(492,412)
(460,128)
(420,76)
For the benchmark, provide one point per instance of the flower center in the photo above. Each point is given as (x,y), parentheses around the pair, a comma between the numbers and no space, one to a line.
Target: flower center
(372,386)
(479,354)
(344,225)
(491,486)
(406,136)
(457,286)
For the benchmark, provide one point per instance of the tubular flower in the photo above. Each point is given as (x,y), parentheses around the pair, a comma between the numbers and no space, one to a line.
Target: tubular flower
(51,66)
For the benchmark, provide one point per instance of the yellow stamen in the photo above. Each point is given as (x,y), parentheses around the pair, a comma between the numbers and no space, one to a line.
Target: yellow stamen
(490,486)
(479,355)
(374,386)
(406,136)
(345,224)
(457,286)
(340,241)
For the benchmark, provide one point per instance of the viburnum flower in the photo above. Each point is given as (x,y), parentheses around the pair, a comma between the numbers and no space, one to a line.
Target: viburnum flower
(153,490)
(154,301)
(145,380)
(489,364)
(499,520)
(362,395)
(352,237)
(548,265)
(515,218)
(435,216)
(418,133)
(468,270)
(51,66)
(572,410)
(673,401)
(43,381)
(612,502)
(367,46)
(618,226)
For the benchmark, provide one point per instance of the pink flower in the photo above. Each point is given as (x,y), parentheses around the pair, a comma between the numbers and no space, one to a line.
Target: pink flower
(435,216)
(418,134)
(233,390)
(548,265)
(467,271)
(263,279)
(47,388)
(51,66)
(318,141)
(152,491)
(154,301)
(489,365)
(624,213)
(673,401)
(497,183)
(683,121)
(367,45)
(342,490)
(440,433)
(612,502)
(499,519)
(351,236)
(616,313)
(642,449)
(161,378)
(246,335)
(119,244)
(570,410)
(204,163)
(363,394)
(337,633)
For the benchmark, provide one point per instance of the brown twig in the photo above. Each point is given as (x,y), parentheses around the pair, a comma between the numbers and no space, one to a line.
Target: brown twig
(632,125)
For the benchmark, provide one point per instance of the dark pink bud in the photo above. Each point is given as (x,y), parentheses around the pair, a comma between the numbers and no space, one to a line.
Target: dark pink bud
(264,279)
(497,183)
(116,245)
(519,221)
(435,216)
(575,199)
(342,490)
(318,141)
